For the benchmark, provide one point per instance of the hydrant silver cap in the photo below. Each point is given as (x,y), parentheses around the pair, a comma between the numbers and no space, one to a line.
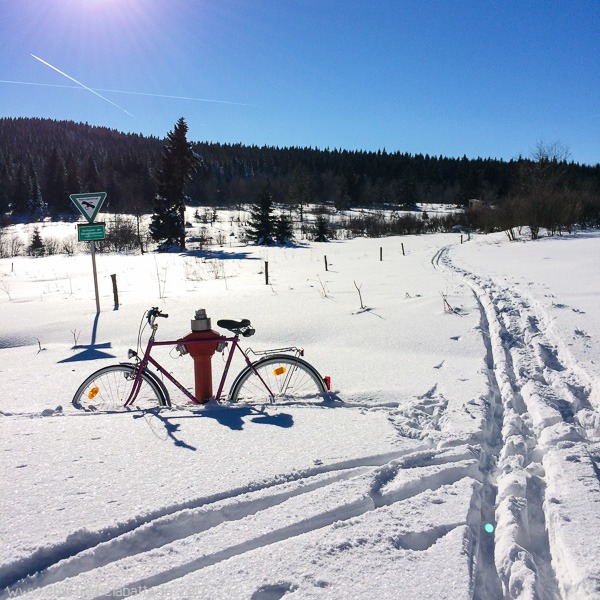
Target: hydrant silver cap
(200,322)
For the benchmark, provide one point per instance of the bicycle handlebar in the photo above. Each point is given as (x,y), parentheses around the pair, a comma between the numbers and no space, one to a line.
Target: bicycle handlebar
(155,312)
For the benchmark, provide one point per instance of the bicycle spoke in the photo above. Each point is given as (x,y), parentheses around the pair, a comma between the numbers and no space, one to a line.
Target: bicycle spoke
(109,389)
(285,377)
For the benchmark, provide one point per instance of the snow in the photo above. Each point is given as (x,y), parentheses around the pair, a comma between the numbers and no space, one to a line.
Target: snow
(466,394)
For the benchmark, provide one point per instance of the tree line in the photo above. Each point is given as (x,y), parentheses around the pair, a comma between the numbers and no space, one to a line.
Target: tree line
(42,161)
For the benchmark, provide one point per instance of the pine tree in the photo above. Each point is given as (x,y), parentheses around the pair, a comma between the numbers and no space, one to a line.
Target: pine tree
(177,165)
(284,229)
(261,225)
(36,248)
(299,190)
(36,207)
(321,231)
(5,186)
(20,193)
(91,177)
(73,180)
(54,186)
(343,199)
(407,192)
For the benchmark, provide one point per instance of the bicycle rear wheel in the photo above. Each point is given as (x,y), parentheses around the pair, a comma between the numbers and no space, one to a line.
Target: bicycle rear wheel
(109,388)
(278,378)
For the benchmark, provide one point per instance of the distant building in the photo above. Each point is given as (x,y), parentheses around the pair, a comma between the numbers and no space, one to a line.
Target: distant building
(475,203)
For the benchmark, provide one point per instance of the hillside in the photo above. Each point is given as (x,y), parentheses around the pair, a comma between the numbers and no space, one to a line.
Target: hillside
(42,161)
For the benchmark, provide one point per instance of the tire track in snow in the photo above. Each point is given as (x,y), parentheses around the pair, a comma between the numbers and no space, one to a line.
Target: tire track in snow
(544,399)
(340,502)
(40,563)
(154,542)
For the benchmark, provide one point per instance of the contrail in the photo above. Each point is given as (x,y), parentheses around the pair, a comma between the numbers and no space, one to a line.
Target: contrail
(74,87)
(177,97)
(81,84)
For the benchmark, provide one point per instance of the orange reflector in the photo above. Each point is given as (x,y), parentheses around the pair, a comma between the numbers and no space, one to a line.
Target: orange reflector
(279,371)
(93,392)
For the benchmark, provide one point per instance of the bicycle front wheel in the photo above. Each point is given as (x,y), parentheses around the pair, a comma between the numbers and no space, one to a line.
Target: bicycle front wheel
(109,388)
(276,378)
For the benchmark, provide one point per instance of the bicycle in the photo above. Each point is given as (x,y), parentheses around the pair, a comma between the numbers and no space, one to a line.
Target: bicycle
(279,374)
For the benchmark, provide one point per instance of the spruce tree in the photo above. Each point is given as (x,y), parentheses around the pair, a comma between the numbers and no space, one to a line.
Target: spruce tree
(36,207)
(54,186)
(299,190)
(177,165)
(407,192)
(5,187)
(261,225)
(73,179)
(91,177)
(20,193)
(284,229)
(36,248)
(321,230)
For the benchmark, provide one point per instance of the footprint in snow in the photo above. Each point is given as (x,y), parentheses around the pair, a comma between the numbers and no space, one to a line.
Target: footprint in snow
(272,591)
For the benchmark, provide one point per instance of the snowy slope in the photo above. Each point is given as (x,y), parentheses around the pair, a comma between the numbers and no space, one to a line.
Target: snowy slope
(466,398)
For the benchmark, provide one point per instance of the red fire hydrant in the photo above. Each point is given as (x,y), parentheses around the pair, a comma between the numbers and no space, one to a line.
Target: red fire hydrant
(202,344)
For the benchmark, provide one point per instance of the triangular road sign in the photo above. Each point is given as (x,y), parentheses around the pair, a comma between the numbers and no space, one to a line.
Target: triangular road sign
(88,204)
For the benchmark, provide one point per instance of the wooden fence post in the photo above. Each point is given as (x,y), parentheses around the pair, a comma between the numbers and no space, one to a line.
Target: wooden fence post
(115,291)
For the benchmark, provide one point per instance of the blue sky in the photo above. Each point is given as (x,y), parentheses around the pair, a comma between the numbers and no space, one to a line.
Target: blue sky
(475,78)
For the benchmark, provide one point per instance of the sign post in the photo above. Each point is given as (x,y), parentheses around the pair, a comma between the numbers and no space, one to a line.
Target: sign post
(90,233)
(93,253)
(89,206)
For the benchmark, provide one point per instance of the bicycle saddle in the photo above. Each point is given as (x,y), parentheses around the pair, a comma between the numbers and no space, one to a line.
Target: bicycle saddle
(242,327)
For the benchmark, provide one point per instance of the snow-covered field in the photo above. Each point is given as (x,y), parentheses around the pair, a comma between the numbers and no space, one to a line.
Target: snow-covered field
(460,458)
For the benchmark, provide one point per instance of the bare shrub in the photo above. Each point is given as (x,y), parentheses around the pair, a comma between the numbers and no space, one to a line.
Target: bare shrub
(193,269)
(3,245)
(68,246)
(121,235)
(11,246)
(5,287)
(202,239)
(52,246)
(216,267)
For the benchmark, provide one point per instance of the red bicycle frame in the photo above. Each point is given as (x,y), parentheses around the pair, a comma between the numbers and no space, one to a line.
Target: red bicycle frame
(147,359)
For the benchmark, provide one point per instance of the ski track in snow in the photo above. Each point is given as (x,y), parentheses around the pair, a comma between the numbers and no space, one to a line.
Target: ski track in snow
(219,529)
(545,444)
(539,442)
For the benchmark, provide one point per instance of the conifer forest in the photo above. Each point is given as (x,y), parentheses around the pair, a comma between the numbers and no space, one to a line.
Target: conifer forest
(43,161)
